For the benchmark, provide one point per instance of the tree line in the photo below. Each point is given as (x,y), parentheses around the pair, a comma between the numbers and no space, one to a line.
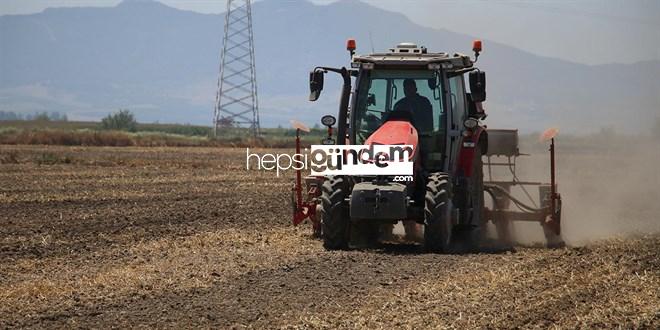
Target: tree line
(41,116)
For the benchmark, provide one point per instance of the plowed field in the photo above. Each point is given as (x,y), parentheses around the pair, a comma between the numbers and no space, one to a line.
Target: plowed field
(186,237)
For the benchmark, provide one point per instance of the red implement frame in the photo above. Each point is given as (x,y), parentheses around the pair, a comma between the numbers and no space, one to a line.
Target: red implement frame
(304,209)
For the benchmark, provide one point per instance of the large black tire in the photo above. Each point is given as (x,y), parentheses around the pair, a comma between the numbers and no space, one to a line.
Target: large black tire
(477,188)
(469,238)
(437,214)
(317,228)
(334,214)
(477,195)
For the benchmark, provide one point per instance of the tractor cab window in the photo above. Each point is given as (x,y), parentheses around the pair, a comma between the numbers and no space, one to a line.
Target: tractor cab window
(381,92)
(457,98)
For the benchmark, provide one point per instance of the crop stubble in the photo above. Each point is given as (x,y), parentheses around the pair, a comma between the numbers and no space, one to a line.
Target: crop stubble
(173,237)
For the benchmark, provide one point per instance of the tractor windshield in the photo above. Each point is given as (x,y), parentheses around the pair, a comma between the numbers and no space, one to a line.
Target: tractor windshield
(418,92)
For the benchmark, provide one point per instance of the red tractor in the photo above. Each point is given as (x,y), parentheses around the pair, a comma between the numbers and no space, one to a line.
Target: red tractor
(415,97)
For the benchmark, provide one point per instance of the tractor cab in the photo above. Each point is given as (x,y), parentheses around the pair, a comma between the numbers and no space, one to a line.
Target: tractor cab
(408,83)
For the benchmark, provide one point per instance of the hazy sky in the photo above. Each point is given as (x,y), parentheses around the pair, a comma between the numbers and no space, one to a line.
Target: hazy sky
(588,31)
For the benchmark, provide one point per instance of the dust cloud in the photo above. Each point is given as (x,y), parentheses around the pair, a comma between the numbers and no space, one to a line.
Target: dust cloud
(609,189)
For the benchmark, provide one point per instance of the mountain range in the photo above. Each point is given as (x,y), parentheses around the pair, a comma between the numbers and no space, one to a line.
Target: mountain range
(162,64)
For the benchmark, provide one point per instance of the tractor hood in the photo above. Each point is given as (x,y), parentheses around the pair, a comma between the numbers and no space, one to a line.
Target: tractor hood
(396,132)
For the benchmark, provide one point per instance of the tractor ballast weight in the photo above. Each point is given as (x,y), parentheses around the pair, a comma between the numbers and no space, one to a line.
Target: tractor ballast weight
(412,97)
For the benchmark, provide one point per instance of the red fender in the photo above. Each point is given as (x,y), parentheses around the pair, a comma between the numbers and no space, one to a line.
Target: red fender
(466,152)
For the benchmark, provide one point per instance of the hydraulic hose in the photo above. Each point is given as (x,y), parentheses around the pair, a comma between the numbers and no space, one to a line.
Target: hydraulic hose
(516,201)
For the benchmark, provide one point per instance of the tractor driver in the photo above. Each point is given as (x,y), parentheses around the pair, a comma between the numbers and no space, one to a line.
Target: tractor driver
(419,106)
(421,110)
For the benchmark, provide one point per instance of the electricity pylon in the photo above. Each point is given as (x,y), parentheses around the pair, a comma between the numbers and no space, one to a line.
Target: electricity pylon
(236,103)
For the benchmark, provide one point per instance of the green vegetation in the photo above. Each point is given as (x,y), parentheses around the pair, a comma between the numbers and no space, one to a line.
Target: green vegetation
(50,132)
(74,133)
(37,116)
(187,130)
(123,120)
(49,158)
(180,129)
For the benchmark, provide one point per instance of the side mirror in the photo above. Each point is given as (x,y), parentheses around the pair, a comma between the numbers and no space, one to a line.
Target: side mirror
(315,84)
(478,86)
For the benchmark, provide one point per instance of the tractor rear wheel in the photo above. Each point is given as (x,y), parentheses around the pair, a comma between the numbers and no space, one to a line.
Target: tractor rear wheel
(317,229)
(334,214)
(468,238)
(437,214)
(477,195)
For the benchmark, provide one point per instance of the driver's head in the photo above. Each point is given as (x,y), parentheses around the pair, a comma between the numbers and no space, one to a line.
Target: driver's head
(409,87)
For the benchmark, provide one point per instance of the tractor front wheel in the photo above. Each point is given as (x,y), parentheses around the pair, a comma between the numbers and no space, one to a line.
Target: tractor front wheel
(437,214)
(334,214)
